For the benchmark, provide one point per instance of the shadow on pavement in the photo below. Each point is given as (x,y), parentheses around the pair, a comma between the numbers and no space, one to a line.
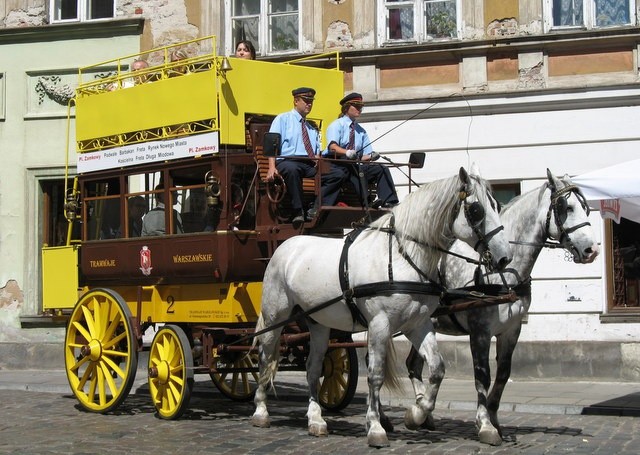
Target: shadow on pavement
(626,405)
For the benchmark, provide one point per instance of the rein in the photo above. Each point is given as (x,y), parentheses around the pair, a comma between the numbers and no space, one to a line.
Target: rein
(474,214)
(554,207)
(406,287)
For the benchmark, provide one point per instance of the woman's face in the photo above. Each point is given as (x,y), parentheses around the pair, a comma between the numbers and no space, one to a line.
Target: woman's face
(242,51)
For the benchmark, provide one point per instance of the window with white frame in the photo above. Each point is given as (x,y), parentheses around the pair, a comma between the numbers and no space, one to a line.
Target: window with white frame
(81,10)
(273,26)
(588,13)
(417,20)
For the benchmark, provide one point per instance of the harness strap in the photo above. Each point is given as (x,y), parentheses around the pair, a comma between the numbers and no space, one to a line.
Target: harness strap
(392,228)
(450,308)
(487,237)
(343,275)
(408,287)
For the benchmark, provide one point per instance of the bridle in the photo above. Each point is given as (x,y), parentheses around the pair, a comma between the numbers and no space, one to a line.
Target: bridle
(559,207)
(475,215)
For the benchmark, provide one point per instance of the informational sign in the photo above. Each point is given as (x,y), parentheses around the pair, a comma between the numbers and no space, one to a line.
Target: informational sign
(149,152)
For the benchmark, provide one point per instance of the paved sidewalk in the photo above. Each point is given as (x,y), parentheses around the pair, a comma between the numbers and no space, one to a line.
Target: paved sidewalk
(541,397)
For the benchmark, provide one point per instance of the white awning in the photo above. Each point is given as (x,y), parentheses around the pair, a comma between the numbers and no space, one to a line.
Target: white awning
(614,190)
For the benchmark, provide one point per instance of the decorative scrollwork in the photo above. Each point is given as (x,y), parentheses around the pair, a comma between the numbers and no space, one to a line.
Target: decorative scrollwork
(50,87)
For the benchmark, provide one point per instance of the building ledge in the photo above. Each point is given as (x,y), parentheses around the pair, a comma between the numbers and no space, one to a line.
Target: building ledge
(618,317)
(72,31)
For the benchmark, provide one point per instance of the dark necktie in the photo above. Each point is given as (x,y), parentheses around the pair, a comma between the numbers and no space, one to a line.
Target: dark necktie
(352,136)
(305,139)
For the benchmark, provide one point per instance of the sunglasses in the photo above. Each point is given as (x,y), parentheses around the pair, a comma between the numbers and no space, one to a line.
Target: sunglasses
(307,100)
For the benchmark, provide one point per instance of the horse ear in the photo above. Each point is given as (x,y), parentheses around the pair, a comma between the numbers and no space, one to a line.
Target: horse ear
(475,170)
(464,177)
(553,182)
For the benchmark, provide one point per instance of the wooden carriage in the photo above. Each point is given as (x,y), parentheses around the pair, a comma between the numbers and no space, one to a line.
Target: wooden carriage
(190,131)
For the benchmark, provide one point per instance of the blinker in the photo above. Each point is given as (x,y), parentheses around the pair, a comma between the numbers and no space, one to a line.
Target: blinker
(476,213)
(561,207)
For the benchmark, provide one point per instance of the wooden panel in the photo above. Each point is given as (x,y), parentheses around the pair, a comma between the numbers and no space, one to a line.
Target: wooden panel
(502,68)
(442,73)
(570,64)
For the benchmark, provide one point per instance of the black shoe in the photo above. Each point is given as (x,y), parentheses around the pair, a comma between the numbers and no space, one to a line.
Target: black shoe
(380,204)
(311,213)
(298,220)
(389,205)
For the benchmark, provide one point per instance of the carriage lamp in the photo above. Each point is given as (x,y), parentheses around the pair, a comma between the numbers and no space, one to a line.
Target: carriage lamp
(71,205)
(212,189)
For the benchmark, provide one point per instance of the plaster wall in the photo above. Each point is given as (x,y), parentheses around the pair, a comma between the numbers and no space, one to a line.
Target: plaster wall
(568,299)
(33,141)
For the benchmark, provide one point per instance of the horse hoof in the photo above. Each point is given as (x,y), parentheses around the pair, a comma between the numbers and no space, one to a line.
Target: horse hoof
(491,437)
(378,440)
(413,418)
(260,421)
(429,423)
(318,429)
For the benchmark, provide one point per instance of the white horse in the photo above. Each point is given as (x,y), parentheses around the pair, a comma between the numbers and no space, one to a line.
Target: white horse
(556,211)
(401,247)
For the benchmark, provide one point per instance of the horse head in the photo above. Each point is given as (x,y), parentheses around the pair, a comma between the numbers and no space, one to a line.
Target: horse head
(477,221)
(568,220)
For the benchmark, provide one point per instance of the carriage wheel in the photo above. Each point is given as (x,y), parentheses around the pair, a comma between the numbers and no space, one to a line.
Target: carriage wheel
(339,378)
(100,351)
(170,372)
(239,385)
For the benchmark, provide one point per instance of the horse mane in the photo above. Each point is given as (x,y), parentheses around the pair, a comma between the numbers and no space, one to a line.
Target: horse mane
(424,218)
(425,214)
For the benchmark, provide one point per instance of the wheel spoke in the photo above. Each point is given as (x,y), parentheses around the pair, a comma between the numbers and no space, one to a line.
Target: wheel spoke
(115,353)
(89,321)
(101,388)
(99,355)
(80,362)
(169,351)
(92,386)
(114,367)
(111,343)
(109,379)
(86,376)
(113,325)
(87,336)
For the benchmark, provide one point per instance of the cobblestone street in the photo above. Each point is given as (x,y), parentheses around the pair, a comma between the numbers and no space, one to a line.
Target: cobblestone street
(52,423)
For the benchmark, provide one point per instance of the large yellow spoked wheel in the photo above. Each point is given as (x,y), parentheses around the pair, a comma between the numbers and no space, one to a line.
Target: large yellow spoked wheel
(170,372)
(241,382)
(339,378)
(100,351)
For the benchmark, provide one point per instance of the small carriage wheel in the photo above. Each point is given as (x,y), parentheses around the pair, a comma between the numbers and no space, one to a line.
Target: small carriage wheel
(170,372)
(339,378)
(276,189)
(100,351)
(241,383)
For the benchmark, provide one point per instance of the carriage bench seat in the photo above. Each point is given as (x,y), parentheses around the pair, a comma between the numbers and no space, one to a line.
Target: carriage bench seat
(347,210)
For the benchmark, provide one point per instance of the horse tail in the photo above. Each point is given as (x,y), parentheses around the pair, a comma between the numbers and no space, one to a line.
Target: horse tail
(259,327)
(391,376)
(268,374)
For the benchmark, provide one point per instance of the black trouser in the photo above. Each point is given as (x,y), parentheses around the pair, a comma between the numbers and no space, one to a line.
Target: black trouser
(332,182)
(374,173)
(292,172)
